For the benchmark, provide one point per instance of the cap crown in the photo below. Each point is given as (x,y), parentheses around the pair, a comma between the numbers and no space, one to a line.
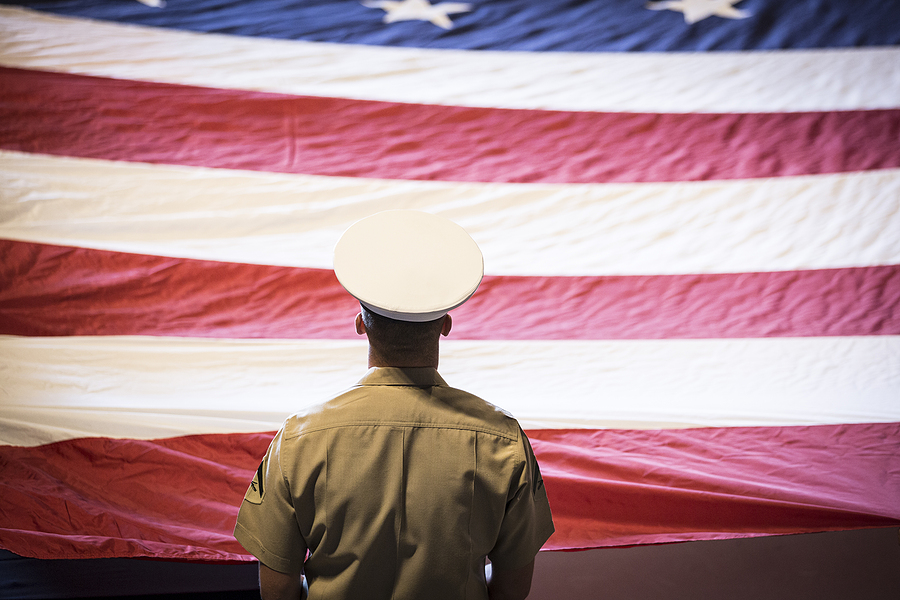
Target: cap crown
(408,265)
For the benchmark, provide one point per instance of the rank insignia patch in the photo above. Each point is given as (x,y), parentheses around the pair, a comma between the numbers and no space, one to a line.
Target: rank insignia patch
(256,492)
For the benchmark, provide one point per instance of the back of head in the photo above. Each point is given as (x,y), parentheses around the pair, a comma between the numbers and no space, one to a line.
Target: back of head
(408,269)
(402,343)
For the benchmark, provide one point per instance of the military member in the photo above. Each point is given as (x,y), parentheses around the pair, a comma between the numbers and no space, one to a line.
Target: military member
(402,486)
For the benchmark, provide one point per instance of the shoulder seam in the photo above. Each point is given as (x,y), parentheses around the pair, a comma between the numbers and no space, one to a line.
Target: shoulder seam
(403,425)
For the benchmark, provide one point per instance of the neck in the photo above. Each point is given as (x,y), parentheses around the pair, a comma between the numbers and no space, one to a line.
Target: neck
(427,359)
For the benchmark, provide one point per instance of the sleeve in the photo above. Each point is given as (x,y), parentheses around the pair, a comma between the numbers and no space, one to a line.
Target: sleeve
(527,523)
(266,524)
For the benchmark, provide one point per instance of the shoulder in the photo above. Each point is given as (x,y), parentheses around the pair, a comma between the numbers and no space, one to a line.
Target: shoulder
(473,402)
(324,414)
(438,405)
(461,409)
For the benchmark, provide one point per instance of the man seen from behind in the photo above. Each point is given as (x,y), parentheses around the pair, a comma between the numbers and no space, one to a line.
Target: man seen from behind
(402,486)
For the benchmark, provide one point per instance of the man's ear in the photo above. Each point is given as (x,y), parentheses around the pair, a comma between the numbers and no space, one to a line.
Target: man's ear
(445,328)
(360,326)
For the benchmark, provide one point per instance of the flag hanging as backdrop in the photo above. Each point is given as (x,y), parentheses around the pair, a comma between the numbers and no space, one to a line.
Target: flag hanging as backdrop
(689,211)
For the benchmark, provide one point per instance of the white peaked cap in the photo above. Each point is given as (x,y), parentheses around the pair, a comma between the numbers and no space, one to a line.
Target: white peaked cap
(408,265)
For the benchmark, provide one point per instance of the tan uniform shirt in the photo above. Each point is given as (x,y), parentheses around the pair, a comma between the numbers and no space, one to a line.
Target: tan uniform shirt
(398,488)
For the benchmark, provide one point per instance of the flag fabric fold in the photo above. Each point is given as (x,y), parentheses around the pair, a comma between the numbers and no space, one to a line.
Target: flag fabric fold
(688,214)
(608,487)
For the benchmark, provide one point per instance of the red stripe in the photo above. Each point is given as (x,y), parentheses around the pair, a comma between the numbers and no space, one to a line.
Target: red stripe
(624,487)
(178,497)
(92,117)
(97,498)
(55,290)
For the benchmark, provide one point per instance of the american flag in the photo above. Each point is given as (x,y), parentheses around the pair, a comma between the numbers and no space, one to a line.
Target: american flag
(689,211)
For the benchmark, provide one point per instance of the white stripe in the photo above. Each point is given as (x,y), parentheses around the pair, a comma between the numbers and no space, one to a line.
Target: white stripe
(772,81)
(148,387)
(811,222)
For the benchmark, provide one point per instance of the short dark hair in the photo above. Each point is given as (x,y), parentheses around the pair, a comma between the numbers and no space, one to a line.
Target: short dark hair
(400,341)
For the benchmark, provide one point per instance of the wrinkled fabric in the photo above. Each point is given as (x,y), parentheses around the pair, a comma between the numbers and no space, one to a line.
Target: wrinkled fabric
(179,497)
(691,298)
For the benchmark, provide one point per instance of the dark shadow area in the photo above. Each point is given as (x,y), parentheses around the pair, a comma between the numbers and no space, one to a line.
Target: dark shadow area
(862,564)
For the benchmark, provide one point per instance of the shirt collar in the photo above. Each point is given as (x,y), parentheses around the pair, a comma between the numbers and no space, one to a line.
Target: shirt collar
(413,376)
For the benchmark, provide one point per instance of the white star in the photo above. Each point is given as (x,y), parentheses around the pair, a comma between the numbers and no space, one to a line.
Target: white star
(154,3)
(419,10)
(697,10)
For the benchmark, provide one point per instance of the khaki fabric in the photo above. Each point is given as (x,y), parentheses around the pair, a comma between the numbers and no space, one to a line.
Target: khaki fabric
(398,488)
